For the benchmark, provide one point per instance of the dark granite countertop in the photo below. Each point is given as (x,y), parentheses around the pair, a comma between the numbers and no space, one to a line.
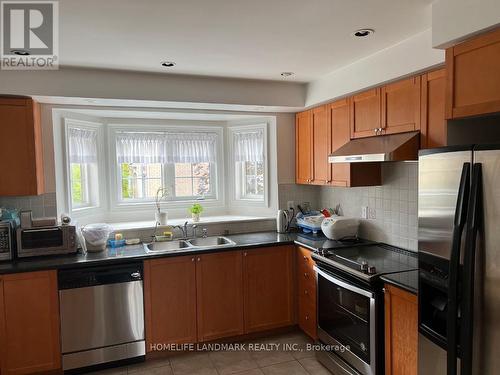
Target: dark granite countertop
(137,252)
(405,280)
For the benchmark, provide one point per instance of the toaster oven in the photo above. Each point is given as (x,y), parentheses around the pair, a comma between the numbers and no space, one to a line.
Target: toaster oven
(54,240)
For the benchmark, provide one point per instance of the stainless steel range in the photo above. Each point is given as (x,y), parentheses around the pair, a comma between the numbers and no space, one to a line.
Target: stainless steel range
(350,304)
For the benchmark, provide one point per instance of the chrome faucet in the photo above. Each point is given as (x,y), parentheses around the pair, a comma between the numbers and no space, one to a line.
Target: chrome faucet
(183,229)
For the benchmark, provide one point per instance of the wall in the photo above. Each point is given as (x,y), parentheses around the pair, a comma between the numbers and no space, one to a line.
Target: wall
(409,56)
(43,205)
(108,84)
(457,20)
(395,205)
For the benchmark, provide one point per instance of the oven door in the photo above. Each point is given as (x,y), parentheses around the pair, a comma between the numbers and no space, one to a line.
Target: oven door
(346,318)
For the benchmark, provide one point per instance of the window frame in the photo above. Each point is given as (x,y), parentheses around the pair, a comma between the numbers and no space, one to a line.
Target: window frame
(236,174)
(117,205)
(95,194)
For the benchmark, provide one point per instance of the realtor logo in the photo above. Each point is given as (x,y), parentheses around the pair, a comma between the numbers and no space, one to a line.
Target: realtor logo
(29,35)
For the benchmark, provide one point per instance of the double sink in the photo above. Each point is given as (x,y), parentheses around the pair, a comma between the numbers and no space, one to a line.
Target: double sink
(193,244)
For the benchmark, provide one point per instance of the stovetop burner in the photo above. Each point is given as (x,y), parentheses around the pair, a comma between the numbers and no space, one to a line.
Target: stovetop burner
(367,259)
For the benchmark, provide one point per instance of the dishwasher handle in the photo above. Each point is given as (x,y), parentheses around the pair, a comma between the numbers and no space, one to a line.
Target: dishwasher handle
(99,275)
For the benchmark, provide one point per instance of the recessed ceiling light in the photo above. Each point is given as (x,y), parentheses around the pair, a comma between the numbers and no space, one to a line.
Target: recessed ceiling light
(20,52)
(362,33)
(287,74)
(168,64)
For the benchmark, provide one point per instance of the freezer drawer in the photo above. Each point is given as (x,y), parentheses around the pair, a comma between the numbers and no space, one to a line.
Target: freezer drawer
(101,315)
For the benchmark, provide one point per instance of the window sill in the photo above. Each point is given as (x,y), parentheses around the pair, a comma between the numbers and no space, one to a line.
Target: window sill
(204,220)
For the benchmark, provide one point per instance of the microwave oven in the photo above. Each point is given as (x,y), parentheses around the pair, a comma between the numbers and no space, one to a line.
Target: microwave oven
(54,240)
(7,239)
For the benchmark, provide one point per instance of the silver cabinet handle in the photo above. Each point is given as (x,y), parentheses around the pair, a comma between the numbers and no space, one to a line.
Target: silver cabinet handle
(198,259)
(307,317)
(192,259)
(245,254)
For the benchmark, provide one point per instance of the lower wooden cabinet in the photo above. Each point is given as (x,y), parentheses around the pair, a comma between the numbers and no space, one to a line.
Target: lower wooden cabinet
(401,331)
(170,301)
(219,291)
(268,288)
(29,323)
(306,291)
(205,297)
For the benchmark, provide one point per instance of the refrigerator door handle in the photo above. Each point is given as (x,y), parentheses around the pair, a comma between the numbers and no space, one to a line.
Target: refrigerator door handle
(458,227)
(473,226)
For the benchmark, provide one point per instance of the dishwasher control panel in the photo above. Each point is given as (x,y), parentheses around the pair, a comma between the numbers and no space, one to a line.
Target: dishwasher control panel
(91,276)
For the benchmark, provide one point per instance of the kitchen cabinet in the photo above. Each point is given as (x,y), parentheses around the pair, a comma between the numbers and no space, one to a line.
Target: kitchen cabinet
(401,106)
(321,145)
(433,128)
(219,290)
(307,316)
(170,301)
(29,323)
(366,113)
(20,129)
(268,288)
(401,331)
(472,76)
(348,174)
(304,148)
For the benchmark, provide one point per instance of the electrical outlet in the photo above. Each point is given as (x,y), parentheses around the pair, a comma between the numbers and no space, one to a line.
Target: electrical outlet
(290,204)
(372,213)
(364,212)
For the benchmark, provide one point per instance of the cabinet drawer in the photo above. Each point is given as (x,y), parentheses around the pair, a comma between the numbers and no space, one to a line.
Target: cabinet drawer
(307,317)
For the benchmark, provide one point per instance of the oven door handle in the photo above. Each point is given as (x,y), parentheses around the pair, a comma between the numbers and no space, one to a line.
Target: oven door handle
(343,284)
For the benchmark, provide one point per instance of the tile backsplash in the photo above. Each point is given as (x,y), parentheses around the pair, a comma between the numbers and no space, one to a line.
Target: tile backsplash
(43,205)
(394,204)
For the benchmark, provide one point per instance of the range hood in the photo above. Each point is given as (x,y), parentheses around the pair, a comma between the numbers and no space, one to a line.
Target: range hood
(393,147)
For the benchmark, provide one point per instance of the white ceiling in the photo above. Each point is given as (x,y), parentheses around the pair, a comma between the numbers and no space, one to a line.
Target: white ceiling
(233,38)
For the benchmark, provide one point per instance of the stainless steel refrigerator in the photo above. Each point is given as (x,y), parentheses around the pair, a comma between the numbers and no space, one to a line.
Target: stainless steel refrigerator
(459,260)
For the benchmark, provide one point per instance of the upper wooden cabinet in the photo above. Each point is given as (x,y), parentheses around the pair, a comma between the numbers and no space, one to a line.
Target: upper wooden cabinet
(170,300)
(321,145)
(348,174)
(366,113)
(433,127)
(401,106)
(219,290)
(401,331)
(268,288)
(473,77)
(29,323)
(21,134)
(304,147)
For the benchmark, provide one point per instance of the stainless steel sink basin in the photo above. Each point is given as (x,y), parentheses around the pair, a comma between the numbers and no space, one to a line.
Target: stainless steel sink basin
(166,246)
(211,242)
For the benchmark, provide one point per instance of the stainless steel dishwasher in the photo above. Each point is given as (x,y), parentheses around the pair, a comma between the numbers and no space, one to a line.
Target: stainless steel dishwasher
(102,315)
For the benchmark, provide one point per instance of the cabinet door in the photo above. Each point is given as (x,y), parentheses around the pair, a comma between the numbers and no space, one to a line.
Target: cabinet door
(303,148)
(365,113)
(401,332)
(472,77)
(21,132)
(401,106)
(268,288)
(321,145)
(219,289)
(340,135)
(170,301)
(30,338)
(307,318)
(434,128)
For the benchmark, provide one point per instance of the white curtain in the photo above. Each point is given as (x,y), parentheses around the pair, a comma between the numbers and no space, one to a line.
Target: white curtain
(249,145)
(140,147)
(82,145)
(166,147)
(191,147)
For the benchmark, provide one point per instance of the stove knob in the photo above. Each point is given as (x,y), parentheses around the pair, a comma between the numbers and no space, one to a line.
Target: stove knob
(372,270)
(364,266)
